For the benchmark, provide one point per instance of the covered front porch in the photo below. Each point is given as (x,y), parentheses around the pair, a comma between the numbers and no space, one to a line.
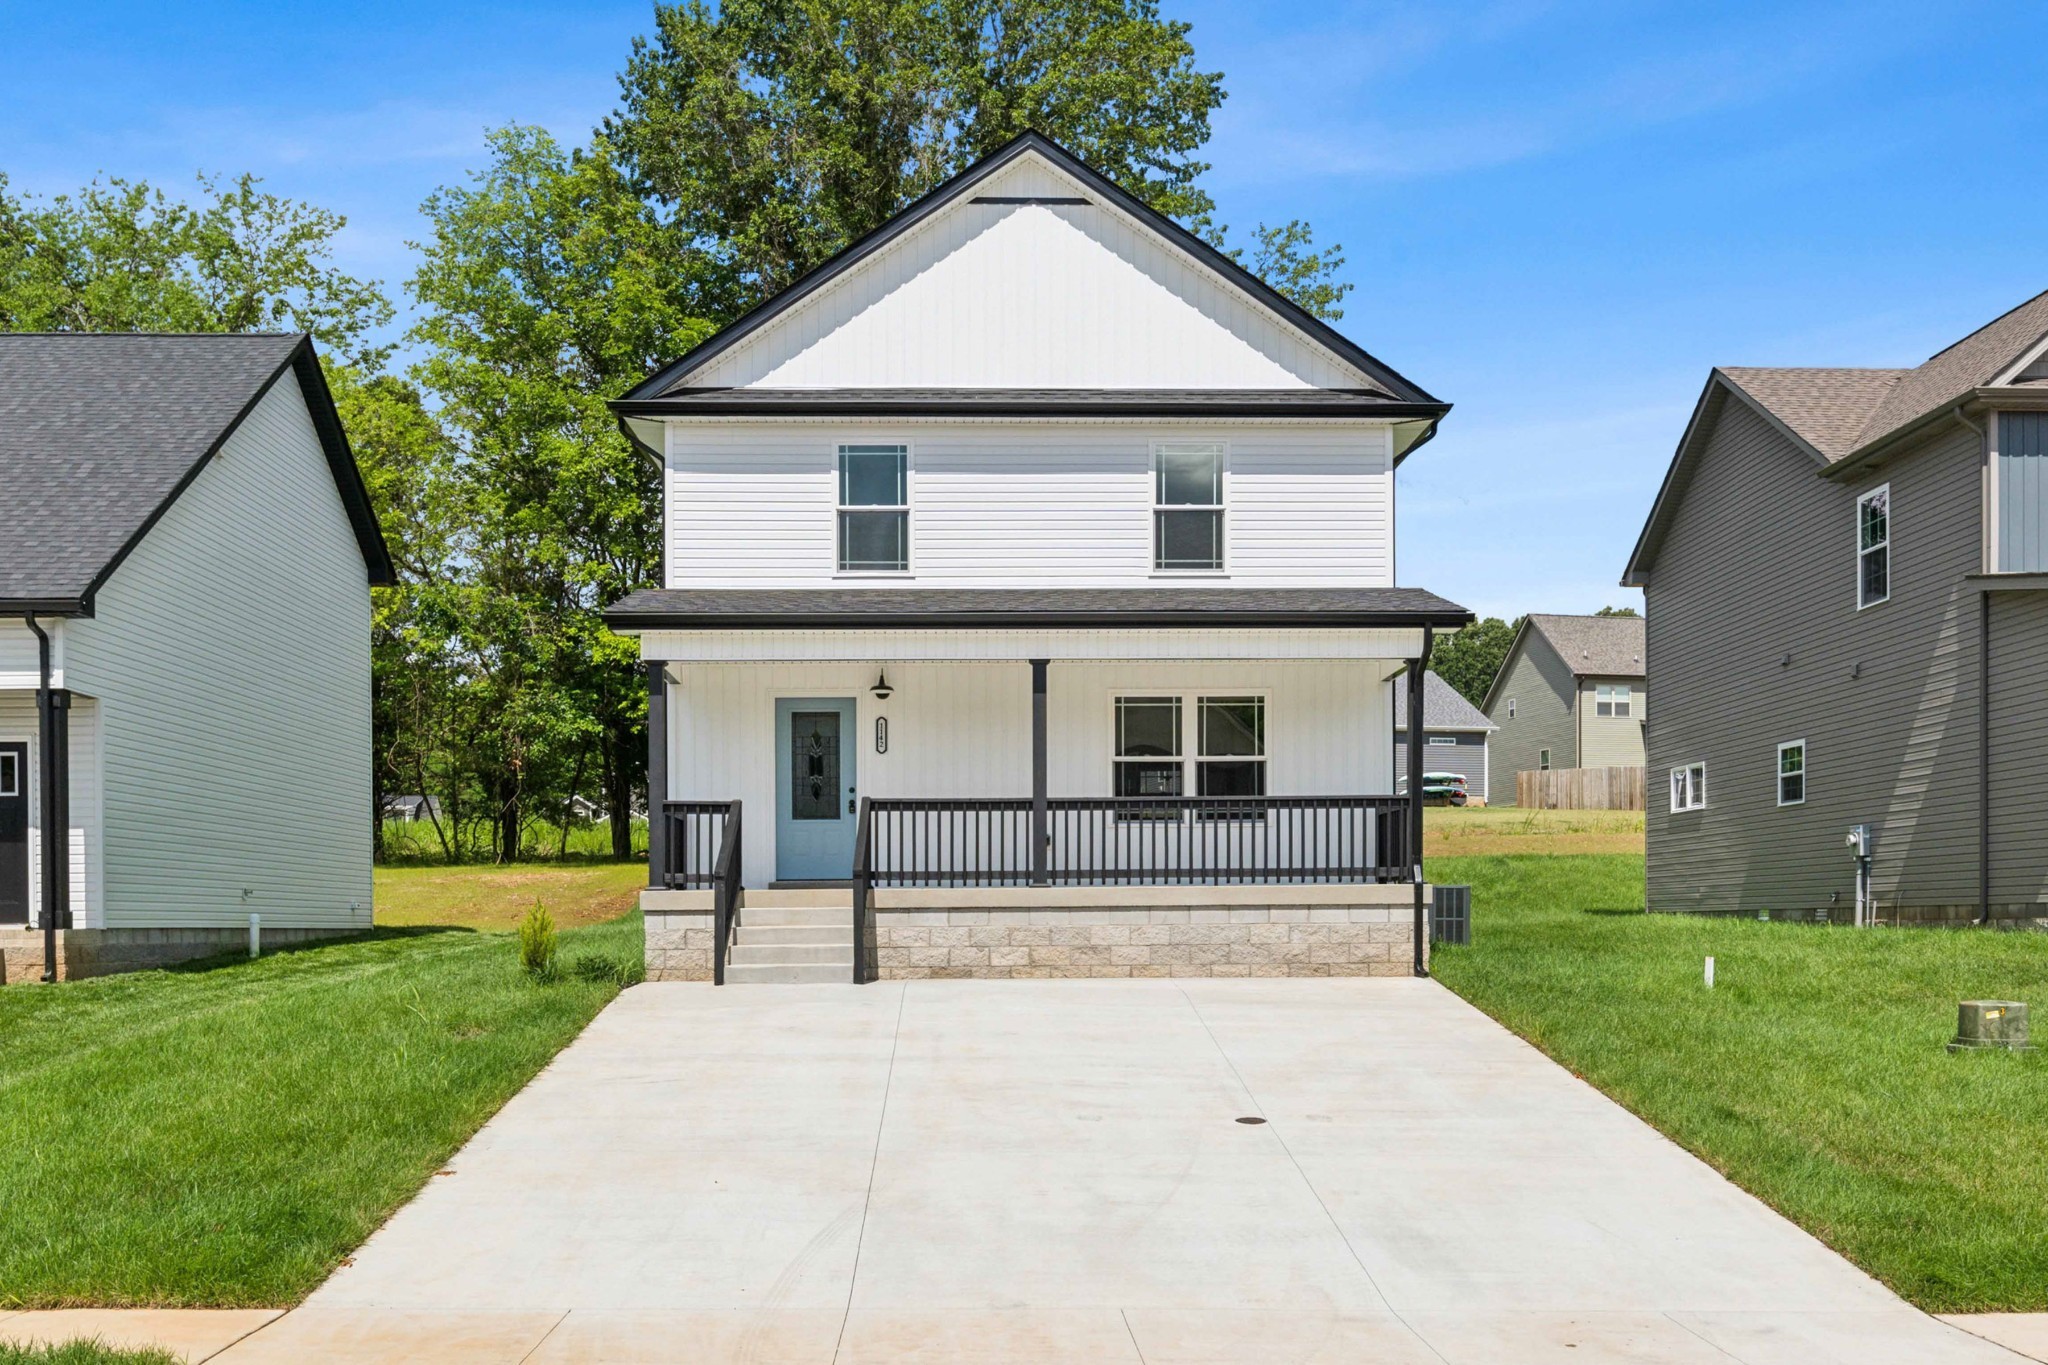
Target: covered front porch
(1169,782)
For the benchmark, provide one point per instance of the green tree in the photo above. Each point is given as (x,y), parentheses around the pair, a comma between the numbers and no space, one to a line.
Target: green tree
(548,286)
(776,132)
(124,256)
(1469,659)
(1616,611)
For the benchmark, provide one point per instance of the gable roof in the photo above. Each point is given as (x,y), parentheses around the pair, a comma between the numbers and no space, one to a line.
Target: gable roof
(671,390)
(1842,416)
(100,433)
(1590,646)
(1443,707)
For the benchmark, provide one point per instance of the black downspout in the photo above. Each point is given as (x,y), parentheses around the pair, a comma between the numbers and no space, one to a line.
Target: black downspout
(55,855)
(1040,833)
(1984,757)
(1417,730)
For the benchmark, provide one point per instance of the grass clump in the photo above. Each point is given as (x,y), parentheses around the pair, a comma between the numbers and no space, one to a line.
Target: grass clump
(1813,1073)
(609,969)
(84,1351)
(222,1135)
(537,944)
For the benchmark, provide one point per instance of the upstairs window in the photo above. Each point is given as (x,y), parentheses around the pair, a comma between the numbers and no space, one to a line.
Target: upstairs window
(1792,773)
(1187,507)
(1613,699)
(1689,787)
(1511,708)
(874,509)
(1874,547)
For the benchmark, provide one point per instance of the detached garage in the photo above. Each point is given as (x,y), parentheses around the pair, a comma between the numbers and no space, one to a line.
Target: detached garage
(1455,737)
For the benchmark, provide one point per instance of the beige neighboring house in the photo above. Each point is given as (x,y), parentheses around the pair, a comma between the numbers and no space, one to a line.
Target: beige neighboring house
(1569,695)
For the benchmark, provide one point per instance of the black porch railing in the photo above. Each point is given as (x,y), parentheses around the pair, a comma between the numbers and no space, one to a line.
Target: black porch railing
(702,852)
(1127,841)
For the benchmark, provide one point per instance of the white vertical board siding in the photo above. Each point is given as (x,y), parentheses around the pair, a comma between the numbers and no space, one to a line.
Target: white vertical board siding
(21,663)
(231,659)
(18,725)
(1029,296)
(753,504)
(965,729)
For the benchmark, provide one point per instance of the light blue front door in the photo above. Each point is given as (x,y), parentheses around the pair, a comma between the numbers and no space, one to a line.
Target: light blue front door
(815,802)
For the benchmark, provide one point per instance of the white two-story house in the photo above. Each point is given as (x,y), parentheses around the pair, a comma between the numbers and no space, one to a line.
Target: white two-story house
(1029,608)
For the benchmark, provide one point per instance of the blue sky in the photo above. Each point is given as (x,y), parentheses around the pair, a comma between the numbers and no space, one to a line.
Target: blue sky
(1558,216)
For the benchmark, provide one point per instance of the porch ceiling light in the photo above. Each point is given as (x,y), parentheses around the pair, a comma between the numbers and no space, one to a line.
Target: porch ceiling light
(881,689)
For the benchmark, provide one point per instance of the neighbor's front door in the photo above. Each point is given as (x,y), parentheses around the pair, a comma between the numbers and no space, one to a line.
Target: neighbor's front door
(13,834)
(815,804)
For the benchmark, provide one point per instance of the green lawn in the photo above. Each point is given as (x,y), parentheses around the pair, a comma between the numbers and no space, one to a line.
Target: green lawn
(1813,1073)
(224,1135)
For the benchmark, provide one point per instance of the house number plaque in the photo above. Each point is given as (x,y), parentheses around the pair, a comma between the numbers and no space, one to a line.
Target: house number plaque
(881,734)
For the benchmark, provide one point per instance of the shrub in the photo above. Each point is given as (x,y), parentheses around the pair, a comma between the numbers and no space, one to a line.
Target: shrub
(606,967)
(537,944)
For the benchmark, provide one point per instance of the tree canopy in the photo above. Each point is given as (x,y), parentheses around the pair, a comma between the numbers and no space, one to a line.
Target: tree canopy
(1469,659)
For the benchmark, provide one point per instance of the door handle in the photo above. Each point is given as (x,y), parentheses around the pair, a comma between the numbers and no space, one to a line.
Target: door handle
(849,805)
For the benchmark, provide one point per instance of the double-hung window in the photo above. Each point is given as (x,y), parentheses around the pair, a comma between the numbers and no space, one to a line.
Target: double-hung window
(1613,699)
(1874,547)
(1232,750)
(1689,787)
(874,509)
(1792,773)
(1154,749)
(1187,507)
(1148,746)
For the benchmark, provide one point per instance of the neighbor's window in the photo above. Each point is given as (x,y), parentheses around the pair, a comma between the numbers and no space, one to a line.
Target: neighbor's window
(1792,773)
(1441,740)
(1511,708)
(1612,699)
(1543,759)
(1231,748)
(1187,507)
(1148,746)
(874,509)
(1874,547)
(1689,787)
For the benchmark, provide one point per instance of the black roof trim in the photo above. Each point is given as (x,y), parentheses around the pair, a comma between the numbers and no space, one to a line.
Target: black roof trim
(765,312)
(1033,609)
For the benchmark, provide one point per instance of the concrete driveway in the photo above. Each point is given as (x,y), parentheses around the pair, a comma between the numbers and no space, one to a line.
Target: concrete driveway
(1056,1171)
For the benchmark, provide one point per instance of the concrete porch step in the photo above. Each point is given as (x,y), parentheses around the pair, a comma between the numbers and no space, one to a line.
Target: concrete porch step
(791,974)
(754,914)
(753,935)
(792,954)
(796,897)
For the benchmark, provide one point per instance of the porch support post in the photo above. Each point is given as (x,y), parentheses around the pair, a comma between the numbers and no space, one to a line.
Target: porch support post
(1039,830)
(1417,729)
(657,773)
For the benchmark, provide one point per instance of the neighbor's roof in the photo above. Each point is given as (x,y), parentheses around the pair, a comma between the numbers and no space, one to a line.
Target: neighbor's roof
(1594,646)
(99,433)
(1843,415)
(1390,394)
(1443,707)
(884,608)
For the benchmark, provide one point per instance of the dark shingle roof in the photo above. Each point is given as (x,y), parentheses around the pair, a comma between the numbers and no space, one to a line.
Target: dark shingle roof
(1443,707)
(1975,360)
(1826,408)
(881,608)
(1595,646)
(100,432)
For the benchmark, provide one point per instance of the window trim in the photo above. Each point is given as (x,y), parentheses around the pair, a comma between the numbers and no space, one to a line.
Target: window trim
(907,507)
(1883,490)
(1625,702)
(1778,773)
(1695,787)
(1221,508)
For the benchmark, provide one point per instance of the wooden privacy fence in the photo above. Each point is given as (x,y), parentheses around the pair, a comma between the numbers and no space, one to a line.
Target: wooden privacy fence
(1580,789)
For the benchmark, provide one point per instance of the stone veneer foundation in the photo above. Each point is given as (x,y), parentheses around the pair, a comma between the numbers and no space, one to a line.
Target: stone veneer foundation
(105,952)
(1094,932)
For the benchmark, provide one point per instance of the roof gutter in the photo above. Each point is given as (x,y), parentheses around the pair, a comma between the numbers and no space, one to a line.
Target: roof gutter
(1048,620)
(1017,407)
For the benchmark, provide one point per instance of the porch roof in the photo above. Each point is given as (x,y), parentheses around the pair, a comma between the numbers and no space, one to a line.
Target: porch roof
(1031,608)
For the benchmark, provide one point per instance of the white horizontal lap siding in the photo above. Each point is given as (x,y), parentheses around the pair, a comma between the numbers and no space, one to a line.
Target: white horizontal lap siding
(964,730)
(744,646)
(18,725)
(230,657)
(754,504)
(1028,296)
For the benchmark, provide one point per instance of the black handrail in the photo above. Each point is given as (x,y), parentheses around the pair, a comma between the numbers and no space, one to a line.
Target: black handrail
(704,850)
(1130,841)
(863,884)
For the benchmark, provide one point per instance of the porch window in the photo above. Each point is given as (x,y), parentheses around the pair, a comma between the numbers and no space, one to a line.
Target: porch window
(1148,746)
(1613,699)
(1187,507)
(874,509)
(1874,547)
(1232,754)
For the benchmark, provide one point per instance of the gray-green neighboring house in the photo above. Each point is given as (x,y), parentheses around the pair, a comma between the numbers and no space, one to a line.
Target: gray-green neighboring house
(1847,583)
(1455,737)
(1570,694)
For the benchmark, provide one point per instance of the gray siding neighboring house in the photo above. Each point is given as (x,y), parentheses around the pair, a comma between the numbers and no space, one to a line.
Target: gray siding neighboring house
(1455,736)
(1759,637)
(1548,698)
